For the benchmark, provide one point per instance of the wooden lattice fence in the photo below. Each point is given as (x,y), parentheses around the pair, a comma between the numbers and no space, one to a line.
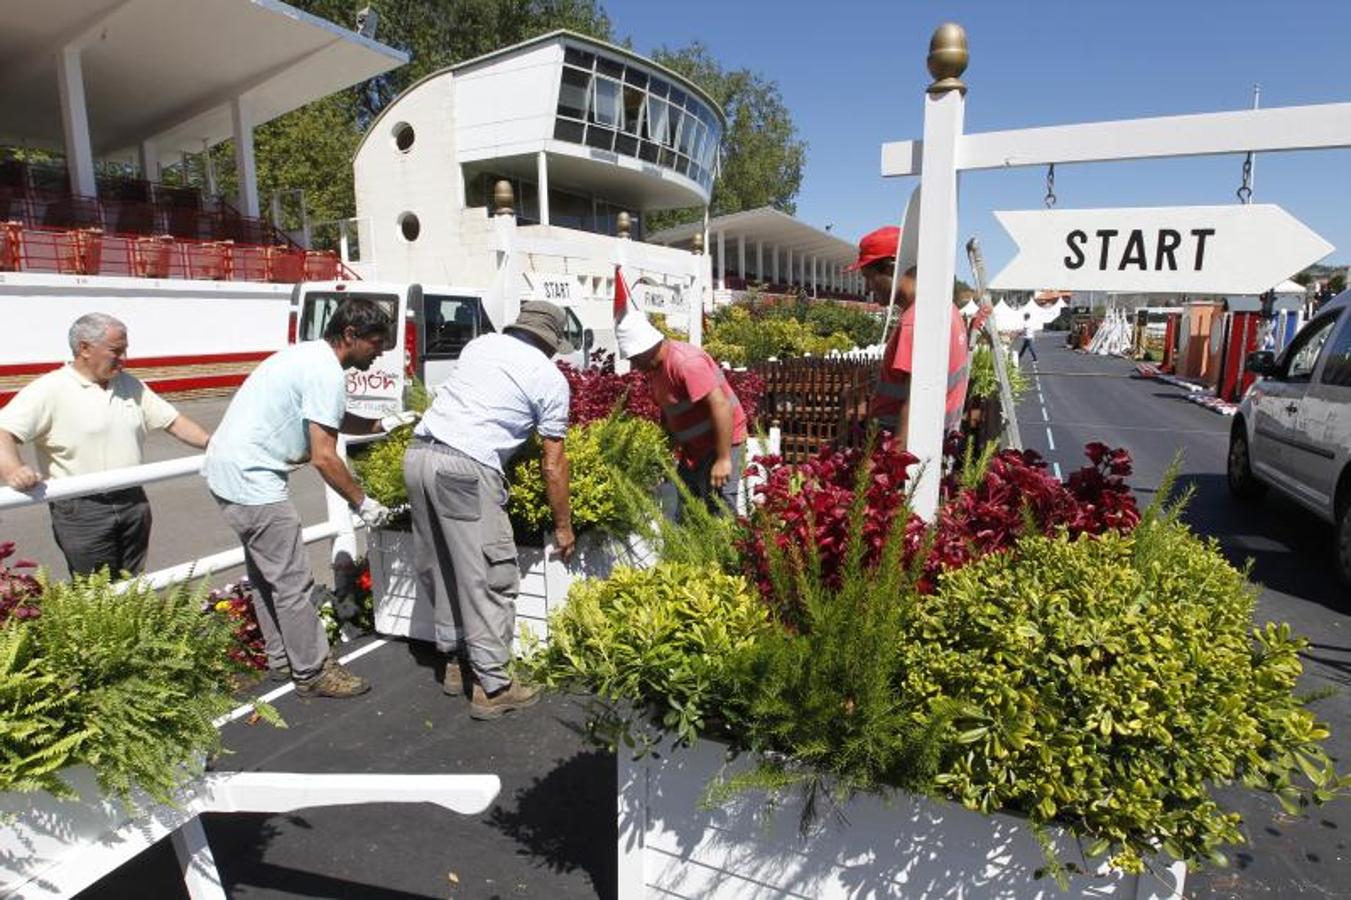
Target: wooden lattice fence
(816,402)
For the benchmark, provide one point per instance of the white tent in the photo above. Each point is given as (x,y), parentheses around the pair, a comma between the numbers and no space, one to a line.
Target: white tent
(970,309)
(1006,318)
(1289,287)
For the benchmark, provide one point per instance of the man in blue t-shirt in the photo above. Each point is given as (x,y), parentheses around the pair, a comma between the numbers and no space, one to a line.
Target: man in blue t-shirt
(289,412)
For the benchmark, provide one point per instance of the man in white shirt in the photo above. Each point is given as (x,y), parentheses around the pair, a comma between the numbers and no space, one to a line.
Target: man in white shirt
(91,416)
(503,389)
(289,412)
(1029,332)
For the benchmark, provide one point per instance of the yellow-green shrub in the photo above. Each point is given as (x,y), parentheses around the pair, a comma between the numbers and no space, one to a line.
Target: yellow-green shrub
(599,456)
(662,638)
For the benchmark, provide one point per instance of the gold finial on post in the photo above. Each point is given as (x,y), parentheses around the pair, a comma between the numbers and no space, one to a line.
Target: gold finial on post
(698,243)
(622,224)
(504,202)
(948,56)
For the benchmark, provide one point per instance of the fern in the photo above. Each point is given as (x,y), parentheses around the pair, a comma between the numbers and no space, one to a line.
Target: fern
(127,682)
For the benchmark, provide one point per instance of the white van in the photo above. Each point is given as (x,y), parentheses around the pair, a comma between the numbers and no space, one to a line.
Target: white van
(1292,431)
(438,320)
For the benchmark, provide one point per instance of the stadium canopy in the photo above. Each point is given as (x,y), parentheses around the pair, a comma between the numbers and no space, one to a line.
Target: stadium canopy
(152,79)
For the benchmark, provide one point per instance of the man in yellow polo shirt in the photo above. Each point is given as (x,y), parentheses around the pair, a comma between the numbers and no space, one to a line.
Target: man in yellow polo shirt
(91,416)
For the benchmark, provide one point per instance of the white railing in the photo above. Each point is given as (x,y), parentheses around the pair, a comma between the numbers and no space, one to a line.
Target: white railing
(339,525)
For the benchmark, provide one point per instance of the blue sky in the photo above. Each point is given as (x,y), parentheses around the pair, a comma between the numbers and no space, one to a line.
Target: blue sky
(853,74)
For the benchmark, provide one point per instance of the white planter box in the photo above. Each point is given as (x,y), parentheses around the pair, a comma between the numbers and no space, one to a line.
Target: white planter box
(52,848)
(903,847)
(545,580)
(40,834)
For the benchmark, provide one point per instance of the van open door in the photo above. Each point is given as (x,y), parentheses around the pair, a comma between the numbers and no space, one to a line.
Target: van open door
(378,391)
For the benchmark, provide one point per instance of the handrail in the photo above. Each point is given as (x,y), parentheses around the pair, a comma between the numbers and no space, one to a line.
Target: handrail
(340,525)
(100,482)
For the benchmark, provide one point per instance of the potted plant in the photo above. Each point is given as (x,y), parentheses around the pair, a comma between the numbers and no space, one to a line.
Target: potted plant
(1044,682)
(109,698)
(618,455)
(598,451)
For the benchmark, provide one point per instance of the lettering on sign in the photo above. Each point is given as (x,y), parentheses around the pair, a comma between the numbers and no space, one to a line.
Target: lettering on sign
(560,289)
(1135,253)
(372,381)
(1239,249)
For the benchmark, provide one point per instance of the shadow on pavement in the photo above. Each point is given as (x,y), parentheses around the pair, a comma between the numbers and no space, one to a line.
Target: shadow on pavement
(1291,550)
(567,819)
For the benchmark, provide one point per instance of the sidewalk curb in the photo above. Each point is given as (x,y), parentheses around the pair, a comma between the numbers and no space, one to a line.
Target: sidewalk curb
(1195,393)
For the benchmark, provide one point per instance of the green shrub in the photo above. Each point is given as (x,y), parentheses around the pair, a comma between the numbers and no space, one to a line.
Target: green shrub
(128,683)
(660,638)
(984,382)
(862,328)
(1118,680)
(736,337)
(379,468)
(599,456)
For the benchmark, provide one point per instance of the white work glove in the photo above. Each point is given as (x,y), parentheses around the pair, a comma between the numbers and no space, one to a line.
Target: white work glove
(373,512)
(394,420)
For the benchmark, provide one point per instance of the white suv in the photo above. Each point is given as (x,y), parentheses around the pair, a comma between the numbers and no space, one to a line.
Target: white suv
(1292,432)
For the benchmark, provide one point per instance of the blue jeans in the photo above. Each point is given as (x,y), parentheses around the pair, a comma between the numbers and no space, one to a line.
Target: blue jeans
(1028,345)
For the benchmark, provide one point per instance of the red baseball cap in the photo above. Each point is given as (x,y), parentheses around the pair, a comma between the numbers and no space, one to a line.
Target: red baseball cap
(883,243)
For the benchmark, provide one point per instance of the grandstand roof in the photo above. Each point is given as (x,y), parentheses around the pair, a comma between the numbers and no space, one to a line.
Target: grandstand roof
(166,71)
(766,224)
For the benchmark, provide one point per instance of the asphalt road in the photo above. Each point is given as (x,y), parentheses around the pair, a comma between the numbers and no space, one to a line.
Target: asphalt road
(1076,399)
(552,832)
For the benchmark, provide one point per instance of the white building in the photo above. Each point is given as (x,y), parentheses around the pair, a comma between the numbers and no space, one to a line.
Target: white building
(587,134)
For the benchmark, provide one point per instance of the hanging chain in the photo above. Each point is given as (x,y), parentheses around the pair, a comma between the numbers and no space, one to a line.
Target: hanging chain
(1049,199)
(1245,189)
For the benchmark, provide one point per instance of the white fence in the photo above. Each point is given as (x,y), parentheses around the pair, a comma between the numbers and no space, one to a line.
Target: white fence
(339,525)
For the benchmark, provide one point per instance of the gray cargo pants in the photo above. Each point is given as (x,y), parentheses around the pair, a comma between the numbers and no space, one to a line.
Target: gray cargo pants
(466,555)
(274,556)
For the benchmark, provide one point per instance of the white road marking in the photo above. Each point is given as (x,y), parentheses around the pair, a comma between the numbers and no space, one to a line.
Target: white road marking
(1055,467)
(1050,441)
(240,712)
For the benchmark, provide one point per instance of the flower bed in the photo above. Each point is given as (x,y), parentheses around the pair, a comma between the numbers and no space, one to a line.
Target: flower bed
(1044,649)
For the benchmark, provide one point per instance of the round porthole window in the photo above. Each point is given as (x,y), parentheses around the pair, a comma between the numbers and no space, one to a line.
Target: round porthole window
(409,226)
(403,137)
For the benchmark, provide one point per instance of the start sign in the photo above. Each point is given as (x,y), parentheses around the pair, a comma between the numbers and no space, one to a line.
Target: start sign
(1172,249)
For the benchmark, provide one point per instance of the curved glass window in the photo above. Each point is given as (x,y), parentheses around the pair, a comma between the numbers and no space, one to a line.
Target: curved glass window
(612,105)
(606,110)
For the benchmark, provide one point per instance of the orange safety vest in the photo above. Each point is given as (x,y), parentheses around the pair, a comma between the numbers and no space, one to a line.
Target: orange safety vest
(689,421)
(893,385)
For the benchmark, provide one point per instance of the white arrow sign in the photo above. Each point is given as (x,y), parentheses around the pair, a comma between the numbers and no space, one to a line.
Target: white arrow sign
(1167,249)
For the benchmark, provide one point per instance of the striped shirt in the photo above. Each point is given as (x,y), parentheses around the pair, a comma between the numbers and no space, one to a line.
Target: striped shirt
(502,390)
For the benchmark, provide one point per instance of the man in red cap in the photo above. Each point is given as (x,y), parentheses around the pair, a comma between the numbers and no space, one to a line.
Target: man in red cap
(890,405)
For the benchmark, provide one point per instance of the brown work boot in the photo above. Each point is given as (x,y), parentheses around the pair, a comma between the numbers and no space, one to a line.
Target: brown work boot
(332,681)
(456,677)
(493,706)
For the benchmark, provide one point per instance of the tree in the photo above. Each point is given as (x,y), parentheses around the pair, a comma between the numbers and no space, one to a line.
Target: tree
(762,153)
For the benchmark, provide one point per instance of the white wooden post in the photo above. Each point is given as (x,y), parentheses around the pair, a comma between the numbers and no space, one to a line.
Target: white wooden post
(936,258)
(788,266)
(760,260)
(774,254)
(741,256)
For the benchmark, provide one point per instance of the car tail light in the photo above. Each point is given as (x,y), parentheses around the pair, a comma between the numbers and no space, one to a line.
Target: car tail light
(410,347)
(291,322)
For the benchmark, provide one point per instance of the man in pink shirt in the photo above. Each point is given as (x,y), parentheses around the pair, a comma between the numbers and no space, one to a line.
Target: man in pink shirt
(699,407)
(890,405)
